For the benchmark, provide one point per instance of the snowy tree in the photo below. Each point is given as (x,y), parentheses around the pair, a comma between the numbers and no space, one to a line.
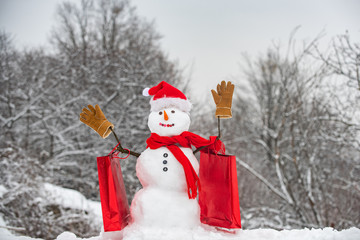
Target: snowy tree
(295,144)
(343,58)
(108,55)
(103,53)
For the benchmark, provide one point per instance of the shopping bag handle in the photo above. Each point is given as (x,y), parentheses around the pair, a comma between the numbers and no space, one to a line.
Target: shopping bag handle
(115,155)
(120,148)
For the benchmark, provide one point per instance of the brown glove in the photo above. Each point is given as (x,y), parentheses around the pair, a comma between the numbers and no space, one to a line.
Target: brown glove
(223,99)
(96,119)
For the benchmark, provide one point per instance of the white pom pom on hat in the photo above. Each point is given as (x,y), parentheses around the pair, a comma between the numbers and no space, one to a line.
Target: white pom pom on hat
(165,96)
(145,92)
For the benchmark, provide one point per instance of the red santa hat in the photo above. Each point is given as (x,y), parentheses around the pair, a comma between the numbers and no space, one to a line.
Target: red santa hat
(166,96)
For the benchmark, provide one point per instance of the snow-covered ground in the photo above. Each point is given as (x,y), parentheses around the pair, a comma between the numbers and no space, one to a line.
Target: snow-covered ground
(257,234)
(202,234)
(74,199)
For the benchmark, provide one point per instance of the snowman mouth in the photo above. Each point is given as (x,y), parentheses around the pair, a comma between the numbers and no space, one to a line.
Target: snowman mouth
(166,125)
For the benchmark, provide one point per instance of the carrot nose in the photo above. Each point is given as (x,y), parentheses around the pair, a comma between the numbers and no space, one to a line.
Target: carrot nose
(166,117)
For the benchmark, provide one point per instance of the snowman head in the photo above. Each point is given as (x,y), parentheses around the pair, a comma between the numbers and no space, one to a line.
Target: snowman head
(169,121)
(169,110)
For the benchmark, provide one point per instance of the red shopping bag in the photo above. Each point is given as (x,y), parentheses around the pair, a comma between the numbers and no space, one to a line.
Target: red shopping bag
(219,195)
(114,204)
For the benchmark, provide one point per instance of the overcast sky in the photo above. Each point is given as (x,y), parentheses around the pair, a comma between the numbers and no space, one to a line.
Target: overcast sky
(209,35)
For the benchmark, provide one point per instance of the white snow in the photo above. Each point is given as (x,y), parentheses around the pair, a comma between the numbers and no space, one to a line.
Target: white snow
(72,199)
(206,234)
(3,190)
(159,208)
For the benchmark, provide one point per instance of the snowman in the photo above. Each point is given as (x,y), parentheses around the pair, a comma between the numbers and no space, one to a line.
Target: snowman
(167,169)
(165,200)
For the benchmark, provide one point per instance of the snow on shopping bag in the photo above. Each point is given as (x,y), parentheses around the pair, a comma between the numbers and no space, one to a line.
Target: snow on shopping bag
(219,196)
(114,204)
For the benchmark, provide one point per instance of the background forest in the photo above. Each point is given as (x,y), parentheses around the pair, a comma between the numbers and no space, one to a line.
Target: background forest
(295,126)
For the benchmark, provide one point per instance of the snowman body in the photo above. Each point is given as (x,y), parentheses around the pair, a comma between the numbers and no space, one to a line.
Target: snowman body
(163,201)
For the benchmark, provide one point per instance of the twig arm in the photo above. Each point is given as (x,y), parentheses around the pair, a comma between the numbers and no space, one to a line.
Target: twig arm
(218,137)
(121,149)
(219,131)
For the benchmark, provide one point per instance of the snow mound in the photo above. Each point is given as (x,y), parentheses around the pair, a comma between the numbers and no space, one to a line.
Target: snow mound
(53,194)
(72,199)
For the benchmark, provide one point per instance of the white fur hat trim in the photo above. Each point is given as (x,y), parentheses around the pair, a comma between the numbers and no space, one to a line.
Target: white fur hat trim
(181,104)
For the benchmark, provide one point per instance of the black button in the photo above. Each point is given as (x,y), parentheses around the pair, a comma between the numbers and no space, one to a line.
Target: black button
(166,155)
(165,169)
(164,162)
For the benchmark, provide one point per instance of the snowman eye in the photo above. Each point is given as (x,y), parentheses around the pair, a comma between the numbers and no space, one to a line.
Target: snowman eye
(172,111)
(160,113)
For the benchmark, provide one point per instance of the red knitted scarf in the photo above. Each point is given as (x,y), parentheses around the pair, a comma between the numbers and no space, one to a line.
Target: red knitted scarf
(185,139)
